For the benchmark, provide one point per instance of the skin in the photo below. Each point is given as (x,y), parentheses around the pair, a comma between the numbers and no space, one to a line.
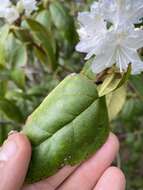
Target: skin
(94,174)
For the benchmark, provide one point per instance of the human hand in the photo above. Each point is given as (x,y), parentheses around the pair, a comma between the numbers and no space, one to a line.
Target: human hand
(95,173)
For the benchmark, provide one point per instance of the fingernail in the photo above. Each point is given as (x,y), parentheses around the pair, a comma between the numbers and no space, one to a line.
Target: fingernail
(8,150)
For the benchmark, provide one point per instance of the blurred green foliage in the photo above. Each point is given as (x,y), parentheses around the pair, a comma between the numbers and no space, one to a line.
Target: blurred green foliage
(36,54)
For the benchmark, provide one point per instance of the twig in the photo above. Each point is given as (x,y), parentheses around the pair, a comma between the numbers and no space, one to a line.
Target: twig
(118,158)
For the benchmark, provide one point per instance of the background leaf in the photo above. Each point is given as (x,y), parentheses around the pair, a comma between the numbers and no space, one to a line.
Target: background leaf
(16,52)
(18,77)
(45,40)
(44,18)
(11,110)
(137,83)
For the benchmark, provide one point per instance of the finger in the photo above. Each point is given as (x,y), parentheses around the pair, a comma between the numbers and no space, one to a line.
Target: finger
(87,175)
(14,159)
(52,182)
(57,179)
(112,179)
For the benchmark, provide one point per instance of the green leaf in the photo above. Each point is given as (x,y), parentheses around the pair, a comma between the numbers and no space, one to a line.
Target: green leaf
(125,77)
(63,21)
(113,81)
(67,128)
(4,75)
(41,55)
(10,109)
(44,18)
(3,88)
(4,130)
(87,71)
(4,31)
(115,102)
(23,35)
(59,15)
(11,48)
(137,83)
(16,52)
(44,39)
(110,83)
(2,55)
(132,109)
(18,76)
(20,57)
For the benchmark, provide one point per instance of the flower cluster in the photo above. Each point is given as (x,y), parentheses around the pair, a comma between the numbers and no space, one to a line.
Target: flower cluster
(11,12)
(108,31)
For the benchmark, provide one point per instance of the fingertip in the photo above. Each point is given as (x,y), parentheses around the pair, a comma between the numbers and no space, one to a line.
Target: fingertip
(113,179)
(14,158)
(117,173)
(24,146)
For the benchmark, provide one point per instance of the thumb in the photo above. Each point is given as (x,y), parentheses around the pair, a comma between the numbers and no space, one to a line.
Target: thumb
(14,160)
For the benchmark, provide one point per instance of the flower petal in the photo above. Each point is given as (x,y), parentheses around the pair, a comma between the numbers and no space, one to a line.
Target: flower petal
(11,14)
(122,60)
(29,6)
(2,12)
(86,45)
(136,11)
(86,18)
(137,67)
(93,23)
(133,58)
(103,61)
(5,3)
(135,39)
(97,65)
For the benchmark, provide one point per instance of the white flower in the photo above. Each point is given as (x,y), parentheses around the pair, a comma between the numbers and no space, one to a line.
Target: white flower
(117,44)
(120,49)
(122,12)
(29,6)
(11,14)
(8,11)
(5,4)
(93,29)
